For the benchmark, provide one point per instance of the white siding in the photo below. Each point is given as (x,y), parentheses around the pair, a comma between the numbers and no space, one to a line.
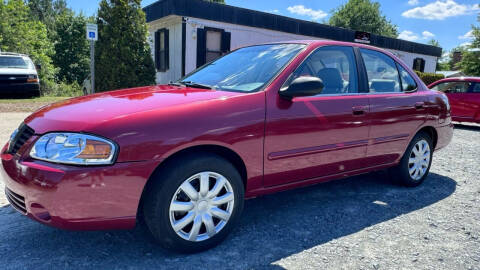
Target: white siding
(174,25)
(241,36)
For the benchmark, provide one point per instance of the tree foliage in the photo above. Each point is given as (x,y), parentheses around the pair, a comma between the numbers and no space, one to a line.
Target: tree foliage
(217,1)
(123,58)
(72,53)
(363,15)
(470,64)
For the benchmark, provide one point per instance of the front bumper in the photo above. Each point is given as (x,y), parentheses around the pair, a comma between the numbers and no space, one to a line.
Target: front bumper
(74,197)
(20,88)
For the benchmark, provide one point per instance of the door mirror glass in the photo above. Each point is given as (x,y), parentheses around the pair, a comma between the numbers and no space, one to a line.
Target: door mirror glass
(303,87)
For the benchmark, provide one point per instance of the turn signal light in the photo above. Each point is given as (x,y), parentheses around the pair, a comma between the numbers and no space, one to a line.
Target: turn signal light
(96,150)
(32,79)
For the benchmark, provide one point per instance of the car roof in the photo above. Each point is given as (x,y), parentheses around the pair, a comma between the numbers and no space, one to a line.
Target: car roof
(10,54)
(456,79)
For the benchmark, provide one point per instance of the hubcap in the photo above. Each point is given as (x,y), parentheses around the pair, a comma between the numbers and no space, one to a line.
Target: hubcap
(201,206)
(419,160)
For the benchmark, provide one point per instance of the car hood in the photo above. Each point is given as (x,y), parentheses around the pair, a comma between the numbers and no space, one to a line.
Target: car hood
(17,71)
(87,113)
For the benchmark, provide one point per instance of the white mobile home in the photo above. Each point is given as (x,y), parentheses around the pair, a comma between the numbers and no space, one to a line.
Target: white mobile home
(185,34)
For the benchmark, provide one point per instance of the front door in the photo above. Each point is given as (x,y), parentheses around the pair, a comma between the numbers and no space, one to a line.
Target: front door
(323,135)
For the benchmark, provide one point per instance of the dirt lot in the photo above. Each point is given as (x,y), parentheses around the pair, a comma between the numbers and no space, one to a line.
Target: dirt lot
(356,223)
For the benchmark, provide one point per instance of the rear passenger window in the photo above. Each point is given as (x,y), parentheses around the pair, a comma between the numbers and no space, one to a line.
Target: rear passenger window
(335,66)
(408,83)
(476,89)
(382,72)
(452,87)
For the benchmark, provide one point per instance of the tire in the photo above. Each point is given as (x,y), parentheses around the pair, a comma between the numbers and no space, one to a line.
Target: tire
(161,214)
(414,168)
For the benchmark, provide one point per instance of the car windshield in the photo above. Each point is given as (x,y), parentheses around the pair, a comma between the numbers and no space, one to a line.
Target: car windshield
(14,62)
(244,70)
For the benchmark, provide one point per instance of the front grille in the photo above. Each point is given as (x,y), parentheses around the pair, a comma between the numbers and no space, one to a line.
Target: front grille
(16,201)
(12,79)
(23,135)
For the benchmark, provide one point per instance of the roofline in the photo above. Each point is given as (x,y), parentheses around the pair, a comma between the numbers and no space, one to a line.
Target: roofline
(247,17)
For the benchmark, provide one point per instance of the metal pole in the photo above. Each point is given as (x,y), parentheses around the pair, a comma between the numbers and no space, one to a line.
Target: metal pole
(92,65)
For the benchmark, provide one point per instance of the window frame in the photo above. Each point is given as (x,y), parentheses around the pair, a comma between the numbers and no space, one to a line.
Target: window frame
(357,67)
(397,64)
(165,65)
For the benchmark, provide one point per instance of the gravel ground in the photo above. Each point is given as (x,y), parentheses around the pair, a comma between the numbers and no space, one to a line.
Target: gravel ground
(357,223)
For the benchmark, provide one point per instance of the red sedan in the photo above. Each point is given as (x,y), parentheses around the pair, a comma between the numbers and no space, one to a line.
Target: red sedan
(464,96)
(183,157)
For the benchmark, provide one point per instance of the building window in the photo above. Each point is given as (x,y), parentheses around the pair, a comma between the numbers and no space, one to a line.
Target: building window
(419,64)
(212,43)
(162,62)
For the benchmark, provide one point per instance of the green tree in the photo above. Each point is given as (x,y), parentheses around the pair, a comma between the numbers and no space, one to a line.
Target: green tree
(20,33)
(434,42)
(47,12)
(217,1)
(363,15)
(470,63)
(72,53)
(123,58)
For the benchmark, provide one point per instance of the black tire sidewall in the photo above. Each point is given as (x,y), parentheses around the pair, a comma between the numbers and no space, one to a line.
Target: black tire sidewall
(167,181)
(401,172)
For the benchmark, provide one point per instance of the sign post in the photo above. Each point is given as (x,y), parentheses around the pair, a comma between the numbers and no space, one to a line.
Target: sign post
(92,35)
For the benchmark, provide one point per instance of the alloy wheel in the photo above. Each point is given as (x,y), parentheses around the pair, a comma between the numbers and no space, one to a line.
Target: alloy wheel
(419,160)
(201,206)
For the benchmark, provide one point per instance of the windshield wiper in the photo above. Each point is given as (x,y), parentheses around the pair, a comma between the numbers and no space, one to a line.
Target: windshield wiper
(196,85)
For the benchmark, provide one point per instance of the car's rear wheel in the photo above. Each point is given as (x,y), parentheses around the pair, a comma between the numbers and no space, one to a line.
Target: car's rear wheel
(415,164)
(194,203)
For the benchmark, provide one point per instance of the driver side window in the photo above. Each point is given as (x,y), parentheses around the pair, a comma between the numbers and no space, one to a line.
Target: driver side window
(335,66)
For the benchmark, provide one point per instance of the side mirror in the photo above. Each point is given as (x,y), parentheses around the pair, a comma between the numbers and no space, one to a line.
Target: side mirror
(303,87)
(38,67)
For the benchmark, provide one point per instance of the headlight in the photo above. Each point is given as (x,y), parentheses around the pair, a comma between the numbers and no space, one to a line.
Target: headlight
(74,148)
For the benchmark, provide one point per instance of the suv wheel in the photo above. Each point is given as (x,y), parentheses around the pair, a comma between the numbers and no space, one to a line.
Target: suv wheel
(415,164)
(194,203)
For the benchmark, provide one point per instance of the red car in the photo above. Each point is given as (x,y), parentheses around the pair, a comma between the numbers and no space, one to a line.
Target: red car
(183,157)
(464,96)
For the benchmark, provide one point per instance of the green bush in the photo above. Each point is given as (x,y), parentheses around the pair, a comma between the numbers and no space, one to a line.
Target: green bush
(62,89)
(429,78)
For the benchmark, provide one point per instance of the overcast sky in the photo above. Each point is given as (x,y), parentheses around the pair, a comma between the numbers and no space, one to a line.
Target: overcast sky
(448,21)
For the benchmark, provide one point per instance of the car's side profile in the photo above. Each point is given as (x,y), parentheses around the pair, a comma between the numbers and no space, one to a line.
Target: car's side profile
(464,96)
(262,119)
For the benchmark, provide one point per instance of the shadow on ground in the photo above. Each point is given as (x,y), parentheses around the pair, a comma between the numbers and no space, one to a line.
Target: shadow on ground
(468,127)
(272,227)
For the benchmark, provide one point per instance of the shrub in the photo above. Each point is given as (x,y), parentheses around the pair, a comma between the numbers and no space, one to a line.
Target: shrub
(429,78)
(62,89)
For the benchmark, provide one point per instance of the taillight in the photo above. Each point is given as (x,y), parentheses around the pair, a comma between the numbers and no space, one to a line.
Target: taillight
(32,79)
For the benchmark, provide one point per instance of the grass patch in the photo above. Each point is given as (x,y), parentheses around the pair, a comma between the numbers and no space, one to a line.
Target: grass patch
(34,100)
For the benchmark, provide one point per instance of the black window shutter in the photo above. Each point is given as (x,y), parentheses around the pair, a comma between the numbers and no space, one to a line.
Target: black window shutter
(422,67)
(157,49)
(167,50)
(226,41)
(201,47)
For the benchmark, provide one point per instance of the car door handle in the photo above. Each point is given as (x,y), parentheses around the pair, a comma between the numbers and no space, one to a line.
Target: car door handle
(359,110)
(419,105)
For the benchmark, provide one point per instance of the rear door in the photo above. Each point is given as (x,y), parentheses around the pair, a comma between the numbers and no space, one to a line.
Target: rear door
(456,92)
(397,109)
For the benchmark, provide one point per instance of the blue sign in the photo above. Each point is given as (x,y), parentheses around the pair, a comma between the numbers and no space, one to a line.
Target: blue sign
(91,35)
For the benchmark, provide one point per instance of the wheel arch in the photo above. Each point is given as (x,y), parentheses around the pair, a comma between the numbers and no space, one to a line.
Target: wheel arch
(222,151)
(432,132)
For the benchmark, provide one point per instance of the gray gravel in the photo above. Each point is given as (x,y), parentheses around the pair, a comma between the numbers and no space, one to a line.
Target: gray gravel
(356,223)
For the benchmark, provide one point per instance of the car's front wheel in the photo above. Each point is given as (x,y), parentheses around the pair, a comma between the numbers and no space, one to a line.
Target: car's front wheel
(194,203)
(415,163)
